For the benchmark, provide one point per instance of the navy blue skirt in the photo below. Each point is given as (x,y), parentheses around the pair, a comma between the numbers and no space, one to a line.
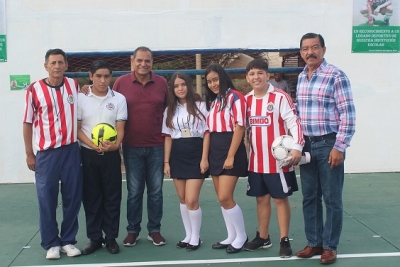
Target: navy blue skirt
(185,158)
(219,147)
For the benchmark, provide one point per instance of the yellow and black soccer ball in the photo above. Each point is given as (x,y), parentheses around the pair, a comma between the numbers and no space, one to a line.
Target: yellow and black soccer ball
(104,132)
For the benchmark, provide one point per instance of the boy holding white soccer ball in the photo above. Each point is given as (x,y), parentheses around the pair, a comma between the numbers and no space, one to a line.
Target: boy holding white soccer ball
(281,148)
(270,114)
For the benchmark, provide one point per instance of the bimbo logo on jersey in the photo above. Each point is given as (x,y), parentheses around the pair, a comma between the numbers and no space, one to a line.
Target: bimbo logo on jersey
(259,121)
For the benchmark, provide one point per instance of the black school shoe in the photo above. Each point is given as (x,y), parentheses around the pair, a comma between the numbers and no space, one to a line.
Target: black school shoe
(182,244)
(112,246)
(232,249)
(193,247)
(91,247)
(218,245)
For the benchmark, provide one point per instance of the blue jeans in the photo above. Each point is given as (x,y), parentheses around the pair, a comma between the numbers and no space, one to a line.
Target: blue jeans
(144,166)
(319,181)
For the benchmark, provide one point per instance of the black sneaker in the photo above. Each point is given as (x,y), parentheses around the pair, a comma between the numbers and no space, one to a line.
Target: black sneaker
(258,243)
(286,250)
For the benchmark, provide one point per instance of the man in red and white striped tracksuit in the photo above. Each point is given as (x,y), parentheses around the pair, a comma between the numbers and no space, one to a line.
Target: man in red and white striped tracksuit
(50,116)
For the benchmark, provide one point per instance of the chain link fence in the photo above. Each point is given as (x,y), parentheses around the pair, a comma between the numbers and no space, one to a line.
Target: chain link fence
(167,62)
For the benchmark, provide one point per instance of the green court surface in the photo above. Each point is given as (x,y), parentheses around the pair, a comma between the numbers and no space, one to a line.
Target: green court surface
(370,234)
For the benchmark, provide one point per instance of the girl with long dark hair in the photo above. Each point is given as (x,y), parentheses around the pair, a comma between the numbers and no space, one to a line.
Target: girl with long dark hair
(186,152)
(228,159)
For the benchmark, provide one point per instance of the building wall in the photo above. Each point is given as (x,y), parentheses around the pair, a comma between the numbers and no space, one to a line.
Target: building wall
(86,25)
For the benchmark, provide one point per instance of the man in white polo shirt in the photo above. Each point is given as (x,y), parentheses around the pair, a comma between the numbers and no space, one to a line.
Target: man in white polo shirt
(102,176)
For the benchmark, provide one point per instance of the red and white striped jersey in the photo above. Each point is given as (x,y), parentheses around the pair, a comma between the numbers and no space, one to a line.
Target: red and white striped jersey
(268,118)
(226,119)
(52,111)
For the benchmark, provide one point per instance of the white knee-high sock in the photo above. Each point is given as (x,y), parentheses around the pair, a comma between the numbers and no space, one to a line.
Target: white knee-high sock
(236,216)
(186,222)
(229,228)
(195,222)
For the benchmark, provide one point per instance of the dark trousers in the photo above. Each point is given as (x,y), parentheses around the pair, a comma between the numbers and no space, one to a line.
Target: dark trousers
(102,181)
(52,166)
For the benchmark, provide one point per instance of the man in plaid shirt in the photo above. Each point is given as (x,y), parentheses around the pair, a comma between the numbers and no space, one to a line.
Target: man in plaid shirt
(326,110)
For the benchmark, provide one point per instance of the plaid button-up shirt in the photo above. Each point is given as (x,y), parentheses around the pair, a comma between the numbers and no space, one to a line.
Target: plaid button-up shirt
(325,104)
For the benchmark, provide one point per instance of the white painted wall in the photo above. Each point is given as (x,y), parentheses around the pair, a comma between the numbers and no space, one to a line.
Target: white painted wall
(87,25)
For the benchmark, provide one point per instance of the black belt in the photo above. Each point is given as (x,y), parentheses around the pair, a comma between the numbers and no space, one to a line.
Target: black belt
(320,138)
(92,151)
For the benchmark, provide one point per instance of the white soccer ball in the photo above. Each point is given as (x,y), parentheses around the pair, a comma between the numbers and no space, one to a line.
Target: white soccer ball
(282,146)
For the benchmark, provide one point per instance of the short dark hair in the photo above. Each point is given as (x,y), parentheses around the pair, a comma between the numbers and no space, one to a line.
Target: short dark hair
(258,63)
(312,35)
(142,48)
(99,64)
(56,51)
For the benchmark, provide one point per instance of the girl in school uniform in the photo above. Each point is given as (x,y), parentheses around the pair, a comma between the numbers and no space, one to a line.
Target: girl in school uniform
(186,147)
(228,158)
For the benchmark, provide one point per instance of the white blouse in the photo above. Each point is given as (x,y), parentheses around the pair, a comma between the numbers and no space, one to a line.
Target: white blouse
(183,122)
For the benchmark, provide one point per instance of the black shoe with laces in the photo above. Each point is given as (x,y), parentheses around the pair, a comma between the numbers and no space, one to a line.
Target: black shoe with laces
(258,243)
(286,250)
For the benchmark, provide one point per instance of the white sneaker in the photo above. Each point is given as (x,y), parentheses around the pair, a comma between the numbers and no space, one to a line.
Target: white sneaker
(53,253)
(70,250)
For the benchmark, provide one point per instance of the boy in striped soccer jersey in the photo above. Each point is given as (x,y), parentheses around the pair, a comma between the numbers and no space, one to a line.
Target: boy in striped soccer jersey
(270,114)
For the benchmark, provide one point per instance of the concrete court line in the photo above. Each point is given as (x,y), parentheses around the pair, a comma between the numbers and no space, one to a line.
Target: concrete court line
(239,260)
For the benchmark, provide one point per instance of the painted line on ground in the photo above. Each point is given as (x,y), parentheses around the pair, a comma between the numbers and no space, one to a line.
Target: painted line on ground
(239,260)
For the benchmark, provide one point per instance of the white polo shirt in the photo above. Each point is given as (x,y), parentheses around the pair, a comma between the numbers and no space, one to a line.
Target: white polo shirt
(93,109)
